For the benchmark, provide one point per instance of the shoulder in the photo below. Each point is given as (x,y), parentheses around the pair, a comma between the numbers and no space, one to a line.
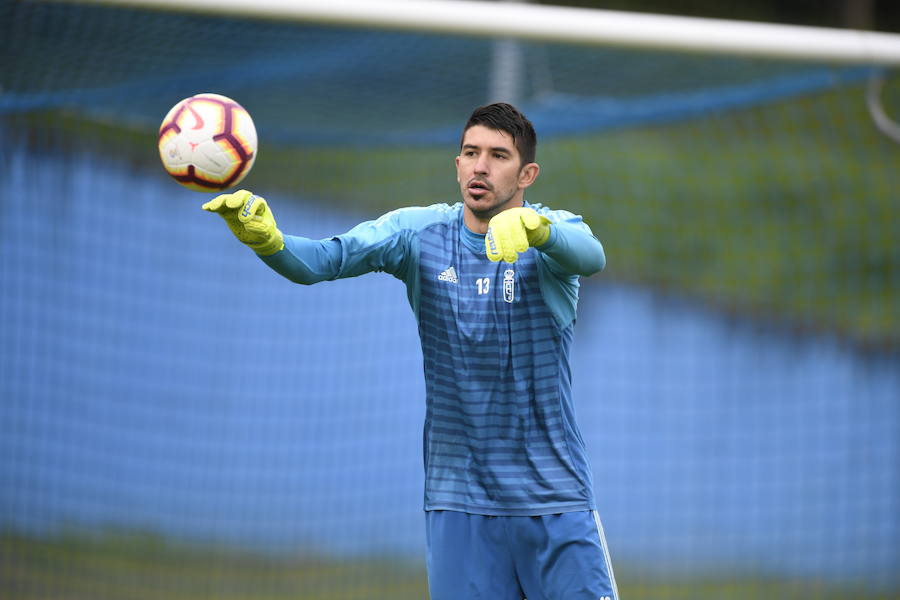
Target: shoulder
(403,223)
(556,215)
(419,217)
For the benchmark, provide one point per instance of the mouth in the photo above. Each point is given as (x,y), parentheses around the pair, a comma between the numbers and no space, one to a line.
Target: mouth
(477,188)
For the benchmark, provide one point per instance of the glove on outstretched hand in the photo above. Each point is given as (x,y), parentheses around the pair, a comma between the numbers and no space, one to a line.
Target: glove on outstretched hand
(513,231)
(250,219)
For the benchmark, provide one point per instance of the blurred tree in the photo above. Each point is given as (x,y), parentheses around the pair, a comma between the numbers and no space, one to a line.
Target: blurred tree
(858,14)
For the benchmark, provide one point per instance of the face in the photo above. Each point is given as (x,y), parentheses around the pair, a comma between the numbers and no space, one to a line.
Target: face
(490,174)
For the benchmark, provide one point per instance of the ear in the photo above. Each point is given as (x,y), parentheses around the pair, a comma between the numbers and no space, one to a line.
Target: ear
(528,174)
(456,160)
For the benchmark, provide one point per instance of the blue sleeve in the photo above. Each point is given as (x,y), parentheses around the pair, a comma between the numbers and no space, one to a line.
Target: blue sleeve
(571,251)
(306,261)
(388,244)
(572,247)
(380,245)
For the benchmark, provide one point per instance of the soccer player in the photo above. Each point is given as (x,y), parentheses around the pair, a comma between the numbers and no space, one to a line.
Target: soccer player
(493,282)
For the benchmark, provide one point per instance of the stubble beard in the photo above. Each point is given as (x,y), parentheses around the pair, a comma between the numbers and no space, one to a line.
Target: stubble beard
(485,212)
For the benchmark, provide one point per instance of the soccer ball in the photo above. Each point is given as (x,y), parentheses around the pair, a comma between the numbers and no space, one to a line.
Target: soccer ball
(207,142)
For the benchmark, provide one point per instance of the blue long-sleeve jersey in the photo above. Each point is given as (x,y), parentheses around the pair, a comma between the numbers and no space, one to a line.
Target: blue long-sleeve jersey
(500,434)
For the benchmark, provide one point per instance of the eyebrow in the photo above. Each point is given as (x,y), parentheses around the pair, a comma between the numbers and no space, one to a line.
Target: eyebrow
(492,148)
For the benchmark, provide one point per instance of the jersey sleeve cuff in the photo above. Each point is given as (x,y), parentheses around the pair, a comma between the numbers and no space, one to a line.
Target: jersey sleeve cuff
(551,239)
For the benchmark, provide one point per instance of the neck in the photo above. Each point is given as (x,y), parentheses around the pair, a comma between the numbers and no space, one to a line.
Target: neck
(477,222)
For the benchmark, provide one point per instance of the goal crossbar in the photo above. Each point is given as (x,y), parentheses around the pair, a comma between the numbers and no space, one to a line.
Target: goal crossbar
(565,24)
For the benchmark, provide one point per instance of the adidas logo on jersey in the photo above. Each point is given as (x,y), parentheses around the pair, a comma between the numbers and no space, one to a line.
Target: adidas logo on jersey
(449,275)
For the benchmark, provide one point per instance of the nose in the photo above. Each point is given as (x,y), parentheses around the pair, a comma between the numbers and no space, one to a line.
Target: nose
(481,165)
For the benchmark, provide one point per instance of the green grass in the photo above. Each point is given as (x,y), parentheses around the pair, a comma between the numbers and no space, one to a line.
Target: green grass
(785,211)
(138,567)
(797,227)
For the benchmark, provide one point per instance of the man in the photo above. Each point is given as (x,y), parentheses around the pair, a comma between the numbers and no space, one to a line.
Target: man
(493,283)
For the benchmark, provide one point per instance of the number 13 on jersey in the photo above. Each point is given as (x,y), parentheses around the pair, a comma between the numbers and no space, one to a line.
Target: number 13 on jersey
(483,285)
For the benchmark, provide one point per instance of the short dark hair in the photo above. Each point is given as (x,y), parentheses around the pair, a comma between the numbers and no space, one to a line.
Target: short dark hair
(507,118)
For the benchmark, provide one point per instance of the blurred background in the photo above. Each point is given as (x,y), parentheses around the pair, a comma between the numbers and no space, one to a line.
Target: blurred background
(177,421)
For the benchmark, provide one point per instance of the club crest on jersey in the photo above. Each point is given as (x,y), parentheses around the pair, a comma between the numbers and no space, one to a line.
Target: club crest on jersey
(509,285)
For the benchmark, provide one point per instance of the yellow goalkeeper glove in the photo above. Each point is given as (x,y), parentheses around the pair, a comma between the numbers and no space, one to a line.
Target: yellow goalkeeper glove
(250,219)
(514,231)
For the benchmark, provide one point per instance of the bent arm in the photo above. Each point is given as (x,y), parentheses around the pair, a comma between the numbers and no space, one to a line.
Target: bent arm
(573,247)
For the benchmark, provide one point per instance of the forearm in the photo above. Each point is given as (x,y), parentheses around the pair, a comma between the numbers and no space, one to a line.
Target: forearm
(306,261)
(574,249)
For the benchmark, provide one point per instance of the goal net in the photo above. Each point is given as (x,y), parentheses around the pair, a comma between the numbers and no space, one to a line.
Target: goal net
(180,422)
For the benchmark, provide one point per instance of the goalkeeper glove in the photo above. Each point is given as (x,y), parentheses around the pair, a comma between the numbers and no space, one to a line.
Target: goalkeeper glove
(514,231)
(250,220)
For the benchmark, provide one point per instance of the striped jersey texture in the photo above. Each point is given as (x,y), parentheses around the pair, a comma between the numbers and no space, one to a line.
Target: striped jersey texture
(500,436)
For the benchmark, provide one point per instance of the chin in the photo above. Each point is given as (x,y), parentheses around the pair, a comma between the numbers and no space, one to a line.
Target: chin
(482,210)
(485,208)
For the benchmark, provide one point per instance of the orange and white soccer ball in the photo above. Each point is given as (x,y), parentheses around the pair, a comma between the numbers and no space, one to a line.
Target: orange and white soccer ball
(207,142)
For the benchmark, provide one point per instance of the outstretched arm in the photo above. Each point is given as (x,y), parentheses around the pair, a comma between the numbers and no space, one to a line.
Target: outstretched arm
(306,261)
(371,246)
